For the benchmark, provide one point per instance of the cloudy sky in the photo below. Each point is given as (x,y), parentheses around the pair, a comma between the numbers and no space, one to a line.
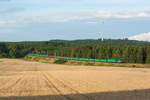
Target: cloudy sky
(30,20)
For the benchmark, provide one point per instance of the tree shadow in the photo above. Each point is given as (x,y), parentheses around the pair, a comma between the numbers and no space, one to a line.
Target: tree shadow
(120,95)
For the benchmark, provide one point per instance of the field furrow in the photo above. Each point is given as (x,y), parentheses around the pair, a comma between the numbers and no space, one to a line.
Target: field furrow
(22,80)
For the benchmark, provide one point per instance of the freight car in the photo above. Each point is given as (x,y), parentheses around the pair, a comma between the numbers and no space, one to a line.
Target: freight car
(88,59)
(78,59)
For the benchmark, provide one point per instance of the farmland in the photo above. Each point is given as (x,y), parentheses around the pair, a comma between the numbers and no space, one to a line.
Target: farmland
(23,80)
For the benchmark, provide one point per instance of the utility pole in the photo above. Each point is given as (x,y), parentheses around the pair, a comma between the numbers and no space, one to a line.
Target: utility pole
(124,36)
(102,33)
(55,54)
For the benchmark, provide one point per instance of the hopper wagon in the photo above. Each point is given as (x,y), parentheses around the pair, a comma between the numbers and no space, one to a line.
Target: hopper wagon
(78,59)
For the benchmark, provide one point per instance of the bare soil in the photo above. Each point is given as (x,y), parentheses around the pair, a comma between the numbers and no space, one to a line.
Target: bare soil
(23,80)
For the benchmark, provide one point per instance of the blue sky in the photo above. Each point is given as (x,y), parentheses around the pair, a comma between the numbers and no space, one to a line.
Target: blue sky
(33,20)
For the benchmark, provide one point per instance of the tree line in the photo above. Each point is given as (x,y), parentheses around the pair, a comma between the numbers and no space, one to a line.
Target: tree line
(126,53)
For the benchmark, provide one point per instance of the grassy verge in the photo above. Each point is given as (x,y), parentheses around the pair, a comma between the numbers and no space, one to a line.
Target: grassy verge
(60,61)
(39,59)
(85,63)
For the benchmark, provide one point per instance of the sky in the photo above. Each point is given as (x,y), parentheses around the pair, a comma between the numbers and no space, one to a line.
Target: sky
(42,20)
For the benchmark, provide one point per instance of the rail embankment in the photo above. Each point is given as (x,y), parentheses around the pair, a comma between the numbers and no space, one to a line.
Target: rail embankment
(83,63)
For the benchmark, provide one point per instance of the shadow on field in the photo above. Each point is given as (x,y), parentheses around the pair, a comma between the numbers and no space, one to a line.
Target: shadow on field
(120,95)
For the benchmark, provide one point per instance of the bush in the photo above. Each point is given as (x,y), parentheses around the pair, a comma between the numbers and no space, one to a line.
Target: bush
(3,55)
(28,57)
(101,64)
(110,64)
(60,61)
(121,65)
(89,64)
(134,66)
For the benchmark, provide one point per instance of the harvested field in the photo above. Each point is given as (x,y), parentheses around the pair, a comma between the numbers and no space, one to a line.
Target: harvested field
(22,80)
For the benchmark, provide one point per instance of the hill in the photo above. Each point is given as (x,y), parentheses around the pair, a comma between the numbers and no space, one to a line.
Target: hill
(105,42)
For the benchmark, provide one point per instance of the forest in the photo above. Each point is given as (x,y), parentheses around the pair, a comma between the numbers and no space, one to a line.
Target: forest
(126,50)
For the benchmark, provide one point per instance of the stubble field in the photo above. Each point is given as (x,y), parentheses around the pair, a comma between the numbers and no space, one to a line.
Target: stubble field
(22,80)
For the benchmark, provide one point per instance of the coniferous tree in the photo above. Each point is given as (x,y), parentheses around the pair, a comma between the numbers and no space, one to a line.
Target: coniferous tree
(148,56)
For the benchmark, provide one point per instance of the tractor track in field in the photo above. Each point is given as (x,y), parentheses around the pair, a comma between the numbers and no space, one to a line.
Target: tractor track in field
(66,87)
(19,87)
(4,68)
(5,89)
(22,80)
(23,90)
(53,88)
(21,83)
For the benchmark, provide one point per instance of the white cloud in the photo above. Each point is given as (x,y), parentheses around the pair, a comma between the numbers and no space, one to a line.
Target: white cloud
(85,15)
(55,19)
(11,23)
(6,31)
(14,21)
(92,22)
(74,16)
(137,13)
(141,37)
(10,9)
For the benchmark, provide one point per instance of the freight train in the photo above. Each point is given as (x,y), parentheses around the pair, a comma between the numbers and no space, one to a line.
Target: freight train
(78,59)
